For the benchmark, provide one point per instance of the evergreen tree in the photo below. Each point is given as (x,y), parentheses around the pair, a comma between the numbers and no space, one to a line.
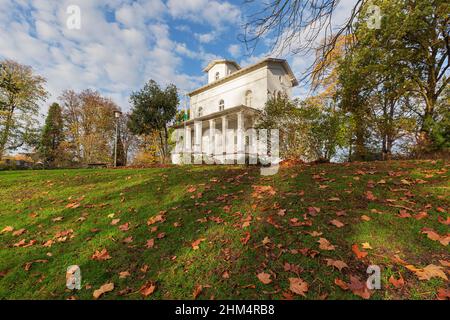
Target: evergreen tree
(52,134)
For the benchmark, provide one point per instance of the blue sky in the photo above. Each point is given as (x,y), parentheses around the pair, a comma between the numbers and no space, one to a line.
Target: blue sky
(124,43)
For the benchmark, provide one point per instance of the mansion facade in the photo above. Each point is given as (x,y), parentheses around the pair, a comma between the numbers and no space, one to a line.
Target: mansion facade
(223,110)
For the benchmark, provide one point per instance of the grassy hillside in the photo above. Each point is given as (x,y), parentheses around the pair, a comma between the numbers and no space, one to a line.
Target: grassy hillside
(223,232)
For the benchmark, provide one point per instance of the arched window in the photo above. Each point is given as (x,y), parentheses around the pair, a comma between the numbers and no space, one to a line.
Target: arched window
(199,111)
(248,98)
(221,105)
(217,76)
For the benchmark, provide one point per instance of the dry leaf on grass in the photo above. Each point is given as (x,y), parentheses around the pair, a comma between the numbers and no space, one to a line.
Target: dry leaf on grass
(298,286)
(264,277)
(107,287)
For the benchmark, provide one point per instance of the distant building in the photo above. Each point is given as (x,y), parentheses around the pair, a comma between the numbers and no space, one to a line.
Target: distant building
(231,100)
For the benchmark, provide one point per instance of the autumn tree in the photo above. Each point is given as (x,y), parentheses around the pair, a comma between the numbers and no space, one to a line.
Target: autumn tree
(153,109)
(90,123)
(21,91)
(52,135)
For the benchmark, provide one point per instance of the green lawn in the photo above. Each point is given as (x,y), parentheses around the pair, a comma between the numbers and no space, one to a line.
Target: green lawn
(246,230)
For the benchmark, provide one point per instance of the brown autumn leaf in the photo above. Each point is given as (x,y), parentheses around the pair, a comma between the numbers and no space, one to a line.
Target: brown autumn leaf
(341,284)
(313,211)
(324,244)
(245,239)
(443,221)
(365,218)
(107,287)
(19,232)
(339,264)
(73,205)
(443,294)
(421,215)
(197,290)
(433,235)
(124,274)
(124,227)
(430,271)
(404,214)
(196,244)
(21,243)
(7,229)
(128,240)
(155,219)
(397,283)
(359,254)
(370,196)
(150,243)
(148,288)
(101,255)
(298,286)
(337,223)
(264,277)
(445,263)
(115,221)
(48,243)
(191,189)
(359,288)
(334,199)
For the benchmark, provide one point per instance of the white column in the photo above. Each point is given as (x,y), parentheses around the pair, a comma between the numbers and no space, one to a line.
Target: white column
(240,138)
(187,145)
(212,130)
(224,137)
(198,142)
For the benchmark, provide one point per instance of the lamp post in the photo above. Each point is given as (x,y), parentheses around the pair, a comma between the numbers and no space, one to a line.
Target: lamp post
(117,115)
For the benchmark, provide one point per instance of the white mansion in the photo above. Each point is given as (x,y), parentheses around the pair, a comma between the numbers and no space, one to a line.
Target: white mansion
(225,108)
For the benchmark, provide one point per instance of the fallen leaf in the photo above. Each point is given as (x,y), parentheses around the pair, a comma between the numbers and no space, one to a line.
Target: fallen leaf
(339,264)
(324,244)
(197,290)
(359,254)
(19,232)
(101,255)
(264,277)
(365,218)
(124,227)
(341,284)
(431,271)
(298,286)
(370,196)
(443,294)
(7,229)
(444,240)
(148,288)
(359,288)
(124,274)
(196,243)
(366,245)
(107,287)
(397,283)
(150,243)
(115,221)
(337,223)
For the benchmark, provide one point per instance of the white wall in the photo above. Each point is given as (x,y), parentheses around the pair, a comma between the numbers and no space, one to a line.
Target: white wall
(266,80)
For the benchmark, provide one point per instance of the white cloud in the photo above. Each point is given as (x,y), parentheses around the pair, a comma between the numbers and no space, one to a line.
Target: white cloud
(234,50)
(213,12)
(206,37)
(114,57)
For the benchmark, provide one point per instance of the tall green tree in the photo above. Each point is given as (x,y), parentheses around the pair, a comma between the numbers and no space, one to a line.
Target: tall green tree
(153,109)
(52,135)
(20,93)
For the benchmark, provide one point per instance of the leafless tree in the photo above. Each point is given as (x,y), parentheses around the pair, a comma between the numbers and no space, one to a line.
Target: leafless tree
(297,26)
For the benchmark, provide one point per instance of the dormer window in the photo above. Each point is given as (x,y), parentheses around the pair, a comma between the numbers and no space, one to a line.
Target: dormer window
(199,112)
(221,105)
(217,76)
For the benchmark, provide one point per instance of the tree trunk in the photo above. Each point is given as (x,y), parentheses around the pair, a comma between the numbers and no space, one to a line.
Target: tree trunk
(5,134)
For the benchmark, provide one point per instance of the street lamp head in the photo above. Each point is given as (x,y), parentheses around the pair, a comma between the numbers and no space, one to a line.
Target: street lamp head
(117,114)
